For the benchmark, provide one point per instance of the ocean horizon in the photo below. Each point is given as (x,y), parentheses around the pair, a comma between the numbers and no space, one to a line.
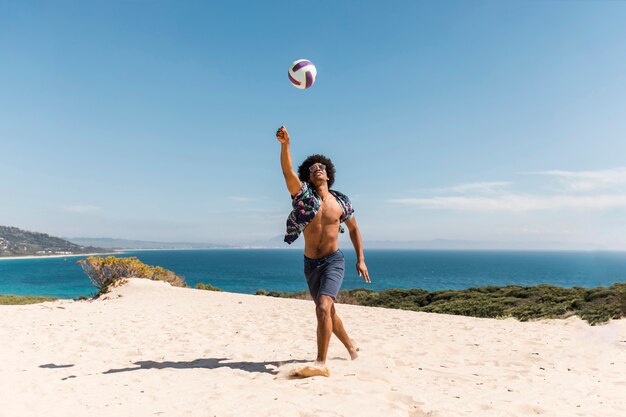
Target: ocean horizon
(248,270)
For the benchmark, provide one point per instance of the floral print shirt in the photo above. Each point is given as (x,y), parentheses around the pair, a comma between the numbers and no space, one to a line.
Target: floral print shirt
(305,206)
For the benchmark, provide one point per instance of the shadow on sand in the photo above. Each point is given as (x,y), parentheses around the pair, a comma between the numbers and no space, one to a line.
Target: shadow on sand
(211,363)
(55,366)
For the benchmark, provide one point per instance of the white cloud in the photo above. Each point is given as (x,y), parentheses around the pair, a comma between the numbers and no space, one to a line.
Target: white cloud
(543,231)
(518,202)
(81,208)
(477,187)
(580,193)
(241,199)
(585,181)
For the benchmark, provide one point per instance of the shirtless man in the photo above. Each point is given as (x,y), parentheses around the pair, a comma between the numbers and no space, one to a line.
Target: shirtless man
(319,212)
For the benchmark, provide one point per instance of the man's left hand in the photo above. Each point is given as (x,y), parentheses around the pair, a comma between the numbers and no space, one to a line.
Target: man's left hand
(361,269)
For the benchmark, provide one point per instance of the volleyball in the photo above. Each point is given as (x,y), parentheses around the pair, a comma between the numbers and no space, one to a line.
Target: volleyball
(302,74)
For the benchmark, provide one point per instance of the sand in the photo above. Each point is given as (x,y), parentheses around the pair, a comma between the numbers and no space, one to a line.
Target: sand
(149,349)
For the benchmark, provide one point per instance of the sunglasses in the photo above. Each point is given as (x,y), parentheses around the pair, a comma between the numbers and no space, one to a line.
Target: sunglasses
(316,167)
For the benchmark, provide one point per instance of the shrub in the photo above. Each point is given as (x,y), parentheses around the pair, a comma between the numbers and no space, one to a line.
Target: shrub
(23,299)
(207,287)
(595,305)
(596,293)
(103,272)
(358,296)
(477,307)
(347,297)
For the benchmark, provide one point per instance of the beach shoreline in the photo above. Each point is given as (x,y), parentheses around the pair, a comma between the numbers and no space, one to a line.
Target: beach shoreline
(74,255)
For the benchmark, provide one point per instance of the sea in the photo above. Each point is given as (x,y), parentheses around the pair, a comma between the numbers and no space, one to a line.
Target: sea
(248,270)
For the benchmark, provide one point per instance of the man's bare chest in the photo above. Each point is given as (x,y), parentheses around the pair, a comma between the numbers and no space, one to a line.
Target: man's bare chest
(329,212)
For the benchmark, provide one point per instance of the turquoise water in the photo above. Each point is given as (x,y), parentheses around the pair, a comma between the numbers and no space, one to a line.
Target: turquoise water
(245,271)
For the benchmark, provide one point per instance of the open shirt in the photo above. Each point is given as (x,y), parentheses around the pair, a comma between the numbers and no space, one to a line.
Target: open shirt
(305,204)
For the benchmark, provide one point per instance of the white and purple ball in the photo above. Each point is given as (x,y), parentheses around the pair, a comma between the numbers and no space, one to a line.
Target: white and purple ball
(302,74)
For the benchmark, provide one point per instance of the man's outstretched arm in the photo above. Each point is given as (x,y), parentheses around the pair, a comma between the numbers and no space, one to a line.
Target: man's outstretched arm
(291,179)
(355,237)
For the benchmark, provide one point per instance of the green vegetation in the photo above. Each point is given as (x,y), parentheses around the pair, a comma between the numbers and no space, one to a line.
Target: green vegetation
(22,299)
(18,242)
(595,305)
(104,272)
(207,287)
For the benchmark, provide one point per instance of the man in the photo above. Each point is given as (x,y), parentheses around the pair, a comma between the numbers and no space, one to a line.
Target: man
(319,211)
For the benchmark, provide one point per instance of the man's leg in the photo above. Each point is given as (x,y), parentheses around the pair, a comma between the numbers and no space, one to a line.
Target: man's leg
(323,309)
(341,334)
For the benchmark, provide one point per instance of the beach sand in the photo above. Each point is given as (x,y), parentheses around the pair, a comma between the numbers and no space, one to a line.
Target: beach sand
(149,349)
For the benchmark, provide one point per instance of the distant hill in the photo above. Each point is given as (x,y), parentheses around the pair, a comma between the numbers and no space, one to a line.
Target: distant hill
(18,242)
(438,244)
(277,242)
(450,244)
(110,243)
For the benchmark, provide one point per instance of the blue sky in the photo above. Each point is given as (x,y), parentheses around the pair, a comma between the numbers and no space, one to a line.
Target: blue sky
(481,120)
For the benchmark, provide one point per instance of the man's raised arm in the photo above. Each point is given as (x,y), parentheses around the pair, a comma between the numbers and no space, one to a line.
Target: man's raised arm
(291,179)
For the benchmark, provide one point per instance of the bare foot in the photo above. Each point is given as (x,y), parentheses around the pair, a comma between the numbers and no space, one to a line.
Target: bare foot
(353,350)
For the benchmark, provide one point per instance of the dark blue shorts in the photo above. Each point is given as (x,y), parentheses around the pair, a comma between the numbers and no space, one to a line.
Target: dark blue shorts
(324,275)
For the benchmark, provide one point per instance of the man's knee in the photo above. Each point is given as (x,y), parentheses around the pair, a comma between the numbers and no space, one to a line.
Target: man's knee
(324,306)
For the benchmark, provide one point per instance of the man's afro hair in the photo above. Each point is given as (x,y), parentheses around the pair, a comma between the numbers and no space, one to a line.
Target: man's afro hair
(303,169)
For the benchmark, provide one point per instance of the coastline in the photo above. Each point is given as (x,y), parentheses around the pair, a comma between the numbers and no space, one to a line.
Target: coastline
(15,258)
(249,270)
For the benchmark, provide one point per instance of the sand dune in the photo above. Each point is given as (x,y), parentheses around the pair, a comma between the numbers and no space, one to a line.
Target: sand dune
(149,349)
